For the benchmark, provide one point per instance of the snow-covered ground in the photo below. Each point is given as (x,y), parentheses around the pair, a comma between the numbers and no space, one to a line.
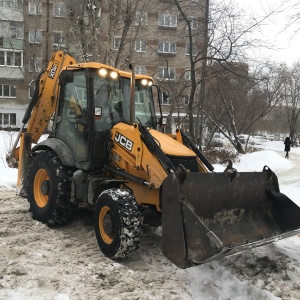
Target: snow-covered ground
(37,262)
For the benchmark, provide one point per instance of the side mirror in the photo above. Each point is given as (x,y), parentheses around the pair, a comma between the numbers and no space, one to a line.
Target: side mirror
(98,111)
(163,121)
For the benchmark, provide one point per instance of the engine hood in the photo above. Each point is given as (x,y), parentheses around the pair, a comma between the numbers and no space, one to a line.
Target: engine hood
(169,145)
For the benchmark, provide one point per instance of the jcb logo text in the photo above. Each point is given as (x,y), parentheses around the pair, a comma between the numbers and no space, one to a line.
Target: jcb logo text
(123,141)
(53,69)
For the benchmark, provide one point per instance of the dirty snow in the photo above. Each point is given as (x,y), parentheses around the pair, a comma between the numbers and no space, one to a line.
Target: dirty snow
(65,263)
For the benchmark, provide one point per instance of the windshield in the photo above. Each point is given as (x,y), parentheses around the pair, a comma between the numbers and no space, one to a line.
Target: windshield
(144,110)
(113,97)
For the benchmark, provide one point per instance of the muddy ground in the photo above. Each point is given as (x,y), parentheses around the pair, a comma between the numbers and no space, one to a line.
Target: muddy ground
(37,262)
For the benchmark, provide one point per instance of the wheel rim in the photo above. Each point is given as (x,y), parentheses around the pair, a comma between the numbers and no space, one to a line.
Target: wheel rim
(41,198)
(106,225)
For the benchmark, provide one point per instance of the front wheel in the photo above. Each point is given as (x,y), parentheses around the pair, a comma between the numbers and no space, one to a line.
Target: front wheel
(49,189)
(118,223)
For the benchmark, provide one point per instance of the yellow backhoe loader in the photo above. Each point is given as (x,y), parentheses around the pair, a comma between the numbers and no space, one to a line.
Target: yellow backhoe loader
(103,151)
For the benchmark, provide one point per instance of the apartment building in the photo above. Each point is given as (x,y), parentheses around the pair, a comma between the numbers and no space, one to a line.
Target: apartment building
(153,36)
(12,71)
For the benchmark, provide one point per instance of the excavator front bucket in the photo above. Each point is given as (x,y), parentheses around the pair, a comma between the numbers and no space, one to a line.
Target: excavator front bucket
(207,216)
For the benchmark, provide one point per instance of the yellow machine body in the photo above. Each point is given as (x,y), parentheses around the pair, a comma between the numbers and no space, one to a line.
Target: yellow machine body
(105,140)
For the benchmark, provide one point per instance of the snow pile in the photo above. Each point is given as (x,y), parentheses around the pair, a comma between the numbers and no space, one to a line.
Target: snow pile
(254,162)
(7,175)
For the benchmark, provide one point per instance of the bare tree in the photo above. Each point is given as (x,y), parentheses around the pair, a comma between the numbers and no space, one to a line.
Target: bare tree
(291,95)
(238,100)
(227,34)
(105,28)
(292,7)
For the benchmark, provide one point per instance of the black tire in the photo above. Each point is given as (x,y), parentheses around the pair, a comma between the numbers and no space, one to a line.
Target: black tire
(118,223)
(49,189)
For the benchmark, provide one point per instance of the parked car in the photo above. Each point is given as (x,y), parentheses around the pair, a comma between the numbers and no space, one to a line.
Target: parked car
(258,139)
(243,138)
(217,140)
(252,140)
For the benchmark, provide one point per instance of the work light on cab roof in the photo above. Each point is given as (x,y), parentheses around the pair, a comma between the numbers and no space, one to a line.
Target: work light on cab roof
(146,82)
(104,72)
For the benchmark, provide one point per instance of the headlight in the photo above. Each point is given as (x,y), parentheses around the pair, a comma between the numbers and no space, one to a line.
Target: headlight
(146,82)
(102,72)
(114,75)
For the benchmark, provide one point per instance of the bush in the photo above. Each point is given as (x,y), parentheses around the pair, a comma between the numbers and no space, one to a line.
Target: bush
(218,155)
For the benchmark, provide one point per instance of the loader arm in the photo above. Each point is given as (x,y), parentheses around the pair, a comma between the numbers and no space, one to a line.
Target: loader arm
(39,112)
(132,160)
(48,91)
(146,154)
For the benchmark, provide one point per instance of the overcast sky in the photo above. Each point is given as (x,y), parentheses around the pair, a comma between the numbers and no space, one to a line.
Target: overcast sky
(286,39)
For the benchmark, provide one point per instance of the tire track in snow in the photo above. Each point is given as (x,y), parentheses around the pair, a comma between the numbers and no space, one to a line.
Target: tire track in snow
(65,263)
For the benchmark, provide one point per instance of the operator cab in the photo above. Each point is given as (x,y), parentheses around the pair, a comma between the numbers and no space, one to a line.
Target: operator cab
(92,101)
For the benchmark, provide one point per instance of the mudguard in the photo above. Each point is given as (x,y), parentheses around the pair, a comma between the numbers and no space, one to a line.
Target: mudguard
(206,216)
(60,148)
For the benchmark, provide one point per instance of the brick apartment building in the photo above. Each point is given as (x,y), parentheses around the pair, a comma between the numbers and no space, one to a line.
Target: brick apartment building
(153,36)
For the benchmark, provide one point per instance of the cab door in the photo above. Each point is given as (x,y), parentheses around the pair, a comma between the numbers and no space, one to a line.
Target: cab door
(73,125)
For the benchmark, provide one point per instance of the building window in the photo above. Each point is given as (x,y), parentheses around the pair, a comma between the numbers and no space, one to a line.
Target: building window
(16,30)
(11,58)
(139,98)
(35,8)
(35,36)
(194,50)
(8,119)
(12,4)
(186,99)
(141,18)
(35,64)
(18,59)
(31,91)
(59,10)
(7,91)
(187,75)
(4,29)
(194,23)
(140,69)
(167,20)
(166,47)
(11,29)
(140,46)
(117,42)
(13,119)
(58,40)
(165,99)
(166,74)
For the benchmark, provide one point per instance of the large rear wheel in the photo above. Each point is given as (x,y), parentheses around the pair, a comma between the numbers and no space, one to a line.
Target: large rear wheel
(49,189)
(118,223)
